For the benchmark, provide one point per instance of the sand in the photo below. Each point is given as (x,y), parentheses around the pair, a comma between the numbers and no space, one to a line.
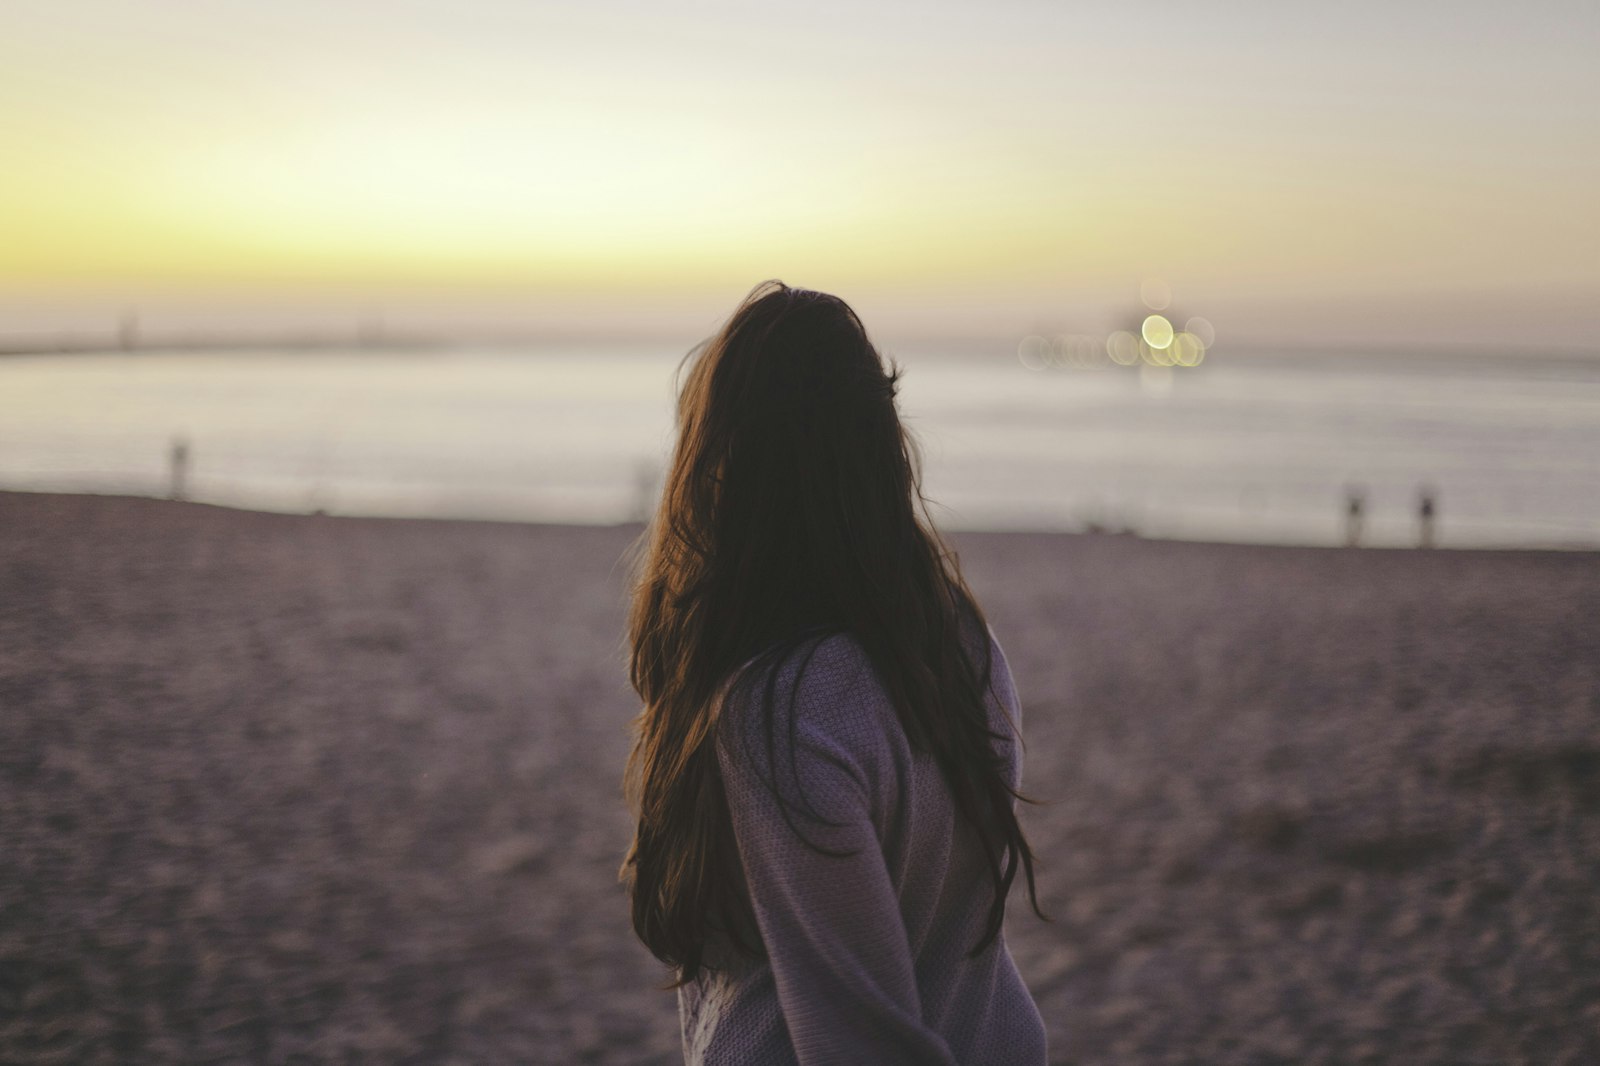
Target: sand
(315,789)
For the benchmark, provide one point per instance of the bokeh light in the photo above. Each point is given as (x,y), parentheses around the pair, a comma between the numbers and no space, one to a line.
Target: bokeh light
(1155,293)
(1033,352)
(1187,350)
(1157,331)
(1154,356)
(1123,348)
(1078,351)
(1202,329)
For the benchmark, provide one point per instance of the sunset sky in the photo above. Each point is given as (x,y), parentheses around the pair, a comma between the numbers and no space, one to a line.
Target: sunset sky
(1365,171)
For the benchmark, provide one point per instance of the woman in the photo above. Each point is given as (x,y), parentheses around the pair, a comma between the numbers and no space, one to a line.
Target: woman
(826,766)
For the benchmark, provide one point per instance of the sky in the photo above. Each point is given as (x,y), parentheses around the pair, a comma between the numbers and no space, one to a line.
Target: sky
(1309,175)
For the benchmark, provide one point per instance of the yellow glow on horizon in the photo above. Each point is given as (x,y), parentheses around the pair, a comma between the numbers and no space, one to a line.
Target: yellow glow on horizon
(595,193)
(563,196)
(494,144)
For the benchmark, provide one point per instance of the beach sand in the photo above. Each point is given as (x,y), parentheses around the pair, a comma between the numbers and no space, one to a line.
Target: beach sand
(283,788)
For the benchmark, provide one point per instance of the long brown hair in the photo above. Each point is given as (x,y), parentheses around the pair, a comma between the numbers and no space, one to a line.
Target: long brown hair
(791,512)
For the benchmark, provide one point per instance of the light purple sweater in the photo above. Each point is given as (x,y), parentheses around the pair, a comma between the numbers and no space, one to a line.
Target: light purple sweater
(866,955)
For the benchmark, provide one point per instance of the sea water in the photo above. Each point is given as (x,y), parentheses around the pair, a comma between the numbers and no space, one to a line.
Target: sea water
(1267,448)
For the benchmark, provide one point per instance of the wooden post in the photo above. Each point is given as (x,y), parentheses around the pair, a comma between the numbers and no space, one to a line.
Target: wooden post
(1355,504)
(180,469)
(1427,513)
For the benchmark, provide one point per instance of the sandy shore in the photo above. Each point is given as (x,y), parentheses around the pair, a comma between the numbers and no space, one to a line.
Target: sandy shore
(305,789)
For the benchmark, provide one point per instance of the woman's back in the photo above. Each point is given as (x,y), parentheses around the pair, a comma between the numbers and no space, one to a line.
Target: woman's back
(869,891)
(818,766)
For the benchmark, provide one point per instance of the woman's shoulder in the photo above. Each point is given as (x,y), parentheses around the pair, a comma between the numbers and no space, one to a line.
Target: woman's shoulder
(814,724)
(825,683)
(828,683)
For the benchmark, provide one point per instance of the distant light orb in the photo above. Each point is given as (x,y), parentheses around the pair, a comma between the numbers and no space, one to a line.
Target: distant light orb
(1056,356)
(1157,331)
(1065,352)
(1155,293)
(1154,356)
(1033,352)
(1061,352)
(1202,329)
(1187,349)
(1076,351)
(1089,353)
(1123,348)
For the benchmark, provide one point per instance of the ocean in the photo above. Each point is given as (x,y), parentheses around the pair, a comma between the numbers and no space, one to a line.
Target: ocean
(1258,449)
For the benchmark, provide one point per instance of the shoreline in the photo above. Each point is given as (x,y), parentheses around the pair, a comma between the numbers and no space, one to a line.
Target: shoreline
(1573,548)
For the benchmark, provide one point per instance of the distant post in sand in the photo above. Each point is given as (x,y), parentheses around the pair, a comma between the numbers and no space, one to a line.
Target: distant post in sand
(1355,505)
(1427,512)
(180,469)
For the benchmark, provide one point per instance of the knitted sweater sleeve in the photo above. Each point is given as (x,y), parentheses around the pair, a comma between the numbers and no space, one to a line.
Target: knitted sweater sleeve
(829,919)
